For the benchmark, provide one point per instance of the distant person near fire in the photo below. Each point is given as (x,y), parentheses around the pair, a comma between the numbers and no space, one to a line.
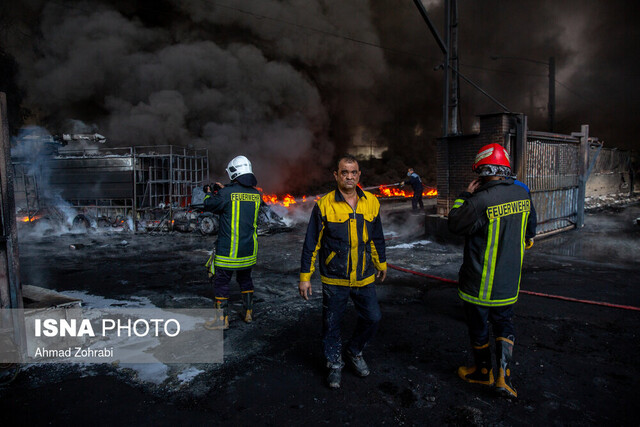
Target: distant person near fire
(496,216)
(345,233)
(413,179)
(236,249)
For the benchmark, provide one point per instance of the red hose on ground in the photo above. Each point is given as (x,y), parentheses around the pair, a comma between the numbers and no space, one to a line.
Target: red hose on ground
(417,273)
(538,294)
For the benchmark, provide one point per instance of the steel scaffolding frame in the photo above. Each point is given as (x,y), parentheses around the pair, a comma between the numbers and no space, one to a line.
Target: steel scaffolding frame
(149,177)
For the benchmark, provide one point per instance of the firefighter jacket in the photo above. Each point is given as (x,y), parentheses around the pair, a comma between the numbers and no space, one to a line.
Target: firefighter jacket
(533,217)
(350,242)
(237,244)
(494,221)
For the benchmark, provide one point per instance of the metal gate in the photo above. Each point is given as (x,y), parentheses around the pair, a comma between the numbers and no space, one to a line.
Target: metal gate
(553,166)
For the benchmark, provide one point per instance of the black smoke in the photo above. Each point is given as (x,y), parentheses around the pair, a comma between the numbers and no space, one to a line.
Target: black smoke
(289,83)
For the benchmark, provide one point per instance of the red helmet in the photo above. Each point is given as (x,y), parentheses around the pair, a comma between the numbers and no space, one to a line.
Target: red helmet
(492,154)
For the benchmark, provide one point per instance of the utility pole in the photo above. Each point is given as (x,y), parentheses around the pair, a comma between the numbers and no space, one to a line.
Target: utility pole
(445,50)
(445,69)
(455,79)
(551,101)
(11,321)
(447,65)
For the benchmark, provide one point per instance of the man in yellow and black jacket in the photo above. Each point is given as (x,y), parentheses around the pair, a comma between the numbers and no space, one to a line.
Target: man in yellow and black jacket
(345,235)
(498,220)
(238,204)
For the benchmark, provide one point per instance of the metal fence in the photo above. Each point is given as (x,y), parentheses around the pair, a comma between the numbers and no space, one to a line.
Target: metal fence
(610,171)
(610,161)
(553,168)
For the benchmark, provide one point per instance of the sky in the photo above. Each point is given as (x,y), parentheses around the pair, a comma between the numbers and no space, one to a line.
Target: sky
(291,84)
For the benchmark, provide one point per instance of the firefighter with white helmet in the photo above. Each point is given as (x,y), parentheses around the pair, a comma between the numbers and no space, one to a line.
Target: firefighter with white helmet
(236,249)
(496,216)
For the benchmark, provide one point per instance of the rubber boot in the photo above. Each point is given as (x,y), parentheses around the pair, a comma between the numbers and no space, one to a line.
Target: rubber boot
(222,321)
(504,353)
(247,303)
(482,371)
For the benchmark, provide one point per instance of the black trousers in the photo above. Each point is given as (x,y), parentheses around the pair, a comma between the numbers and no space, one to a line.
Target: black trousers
(478,318)
(334,304)
(222,279)
(417,200)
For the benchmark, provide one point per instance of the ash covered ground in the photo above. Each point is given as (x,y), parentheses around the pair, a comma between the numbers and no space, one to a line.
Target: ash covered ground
(576,364)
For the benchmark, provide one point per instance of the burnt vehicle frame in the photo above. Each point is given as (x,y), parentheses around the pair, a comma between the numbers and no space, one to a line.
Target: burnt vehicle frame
(105,187)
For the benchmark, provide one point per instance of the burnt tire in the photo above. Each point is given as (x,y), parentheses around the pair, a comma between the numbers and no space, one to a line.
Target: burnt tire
(81,222)
(208,225)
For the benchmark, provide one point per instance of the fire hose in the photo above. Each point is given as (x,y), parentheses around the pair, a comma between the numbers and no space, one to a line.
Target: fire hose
(538,294)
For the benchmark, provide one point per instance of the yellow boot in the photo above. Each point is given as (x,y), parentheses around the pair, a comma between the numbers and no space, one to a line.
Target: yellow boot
(482,371)
(247,303)
(222,320)
(504,353)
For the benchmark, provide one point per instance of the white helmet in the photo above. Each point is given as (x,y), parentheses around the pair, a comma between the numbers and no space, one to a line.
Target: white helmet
(239,166)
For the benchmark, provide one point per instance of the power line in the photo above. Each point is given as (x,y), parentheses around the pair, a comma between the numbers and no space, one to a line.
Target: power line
(571,91)
(567,88)
(320,31)
(388,49)
(344,37)
(477,67)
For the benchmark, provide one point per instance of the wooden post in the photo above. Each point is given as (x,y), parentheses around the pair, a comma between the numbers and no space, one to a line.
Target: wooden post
(583,158)
(520,157)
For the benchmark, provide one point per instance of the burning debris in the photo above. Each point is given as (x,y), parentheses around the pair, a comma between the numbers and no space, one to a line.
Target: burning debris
(68,183)
(383,192)
(391,191)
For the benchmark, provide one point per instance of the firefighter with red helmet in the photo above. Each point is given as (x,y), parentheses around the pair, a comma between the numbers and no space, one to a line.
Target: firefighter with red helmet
(496,216)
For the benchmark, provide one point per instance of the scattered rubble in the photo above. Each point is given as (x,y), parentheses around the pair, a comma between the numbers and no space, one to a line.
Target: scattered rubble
(596,203)
(273,370)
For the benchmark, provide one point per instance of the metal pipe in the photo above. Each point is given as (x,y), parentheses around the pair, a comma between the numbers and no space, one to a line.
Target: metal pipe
(432,28)
(554,232)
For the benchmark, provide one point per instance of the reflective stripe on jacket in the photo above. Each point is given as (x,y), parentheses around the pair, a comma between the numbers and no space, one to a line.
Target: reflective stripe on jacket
(237,244)
(494,221)
(350,243)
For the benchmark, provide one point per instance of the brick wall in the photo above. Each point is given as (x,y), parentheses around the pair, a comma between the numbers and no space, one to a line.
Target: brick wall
(455,157)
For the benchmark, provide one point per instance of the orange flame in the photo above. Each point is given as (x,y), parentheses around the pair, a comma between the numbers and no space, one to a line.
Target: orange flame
(286,200)
(29,219)
(396,192)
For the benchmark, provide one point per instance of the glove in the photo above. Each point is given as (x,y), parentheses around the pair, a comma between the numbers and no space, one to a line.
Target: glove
(211,271)
(528,243)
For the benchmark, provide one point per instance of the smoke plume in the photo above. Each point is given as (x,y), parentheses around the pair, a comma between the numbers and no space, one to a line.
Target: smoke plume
(292,83)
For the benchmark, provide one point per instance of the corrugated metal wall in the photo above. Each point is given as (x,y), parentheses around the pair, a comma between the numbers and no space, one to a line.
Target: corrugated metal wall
(610,161)
(552,173)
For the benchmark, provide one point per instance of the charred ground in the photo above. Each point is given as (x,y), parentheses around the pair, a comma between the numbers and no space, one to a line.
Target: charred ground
(575,363)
